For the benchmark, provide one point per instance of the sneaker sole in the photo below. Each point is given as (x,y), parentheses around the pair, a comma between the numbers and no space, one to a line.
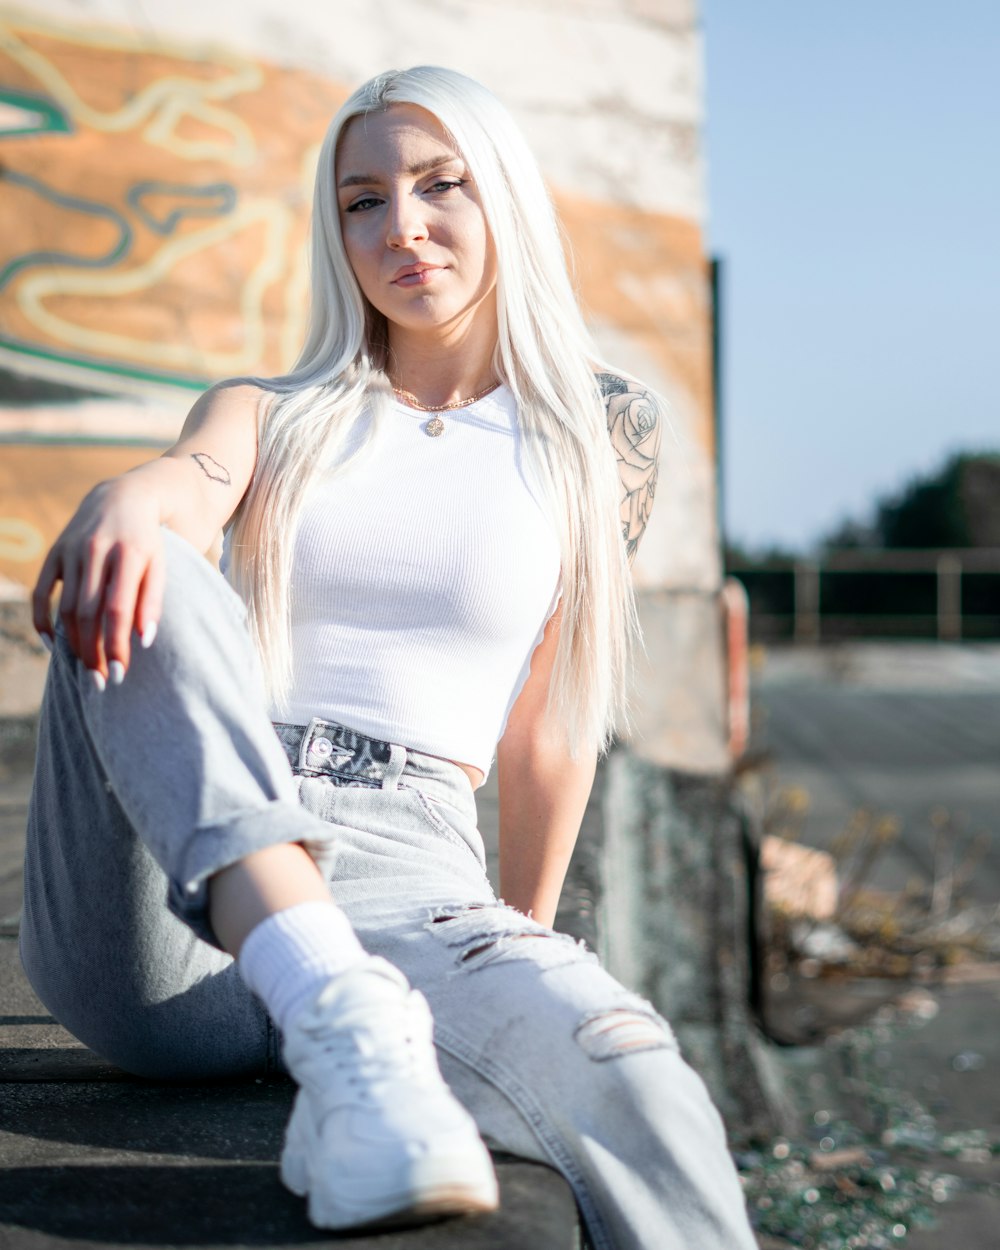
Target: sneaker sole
(426,1198)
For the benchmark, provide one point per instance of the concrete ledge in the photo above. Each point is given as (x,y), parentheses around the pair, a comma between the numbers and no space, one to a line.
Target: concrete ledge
(93,1157)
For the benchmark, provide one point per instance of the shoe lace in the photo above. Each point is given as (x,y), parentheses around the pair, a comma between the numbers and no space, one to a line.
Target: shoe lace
(383,1048)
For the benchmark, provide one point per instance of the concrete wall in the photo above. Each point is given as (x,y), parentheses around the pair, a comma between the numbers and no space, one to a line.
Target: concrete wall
(157,164)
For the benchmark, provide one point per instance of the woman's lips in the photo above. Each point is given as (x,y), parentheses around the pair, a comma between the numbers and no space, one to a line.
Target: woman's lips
(416,277)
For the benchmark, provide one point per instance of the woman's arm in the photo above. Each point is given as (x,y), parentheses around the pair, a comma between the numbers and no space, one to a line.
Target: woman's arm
(635,427)
(543,792)
(109,557)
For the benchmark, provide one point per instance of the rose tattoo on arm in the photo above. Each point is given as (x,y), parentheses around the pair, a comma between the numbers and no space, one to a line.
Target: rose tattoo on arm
(635,428)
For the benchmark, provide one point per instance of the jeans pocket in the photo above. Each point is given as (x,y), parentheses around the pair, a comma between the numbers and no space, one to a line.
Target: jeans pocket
(448,822)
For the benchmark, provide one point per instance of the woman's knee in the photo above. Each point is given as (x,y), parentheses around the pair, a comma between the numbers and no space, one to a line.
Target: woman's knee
(209,1030)
(157,1046)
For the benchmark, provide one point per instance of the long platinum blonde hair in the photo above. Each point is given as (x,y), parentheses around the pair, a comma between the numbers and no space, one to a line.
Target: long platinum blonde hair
(545,356)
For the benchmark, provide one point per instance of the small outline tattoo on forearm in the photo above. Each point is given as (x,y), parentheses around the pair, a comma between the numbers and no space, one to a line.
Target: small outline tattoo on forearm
(211,468)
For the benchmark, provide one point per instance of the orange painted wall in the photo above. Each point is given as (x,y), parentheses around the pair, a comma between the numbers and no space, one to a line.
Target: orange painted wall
(647,274)
(40,487)
(184,185)
(173,214)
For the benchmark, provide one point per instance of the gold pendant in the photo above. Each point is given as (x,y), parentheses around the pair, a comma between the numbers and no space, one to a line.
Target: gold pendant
(434,427)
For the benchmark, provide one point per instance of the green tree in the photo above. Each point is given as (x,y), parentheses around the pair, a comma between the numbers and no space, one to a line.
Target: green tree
(957,506)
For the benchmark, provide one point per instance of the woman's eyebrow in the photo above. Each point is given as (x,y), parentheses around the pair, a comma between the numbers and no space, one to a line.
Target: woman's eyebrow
(421,167)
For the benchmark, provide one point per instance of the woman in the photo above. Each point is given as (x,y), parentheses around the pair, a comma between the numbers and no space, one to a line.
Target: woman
(430,537)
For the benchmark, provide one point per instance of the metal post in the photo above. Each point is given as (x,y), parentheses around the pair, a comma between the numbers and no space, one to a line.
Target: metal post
(806,601)
(715,272)
(949,598)
(736,617)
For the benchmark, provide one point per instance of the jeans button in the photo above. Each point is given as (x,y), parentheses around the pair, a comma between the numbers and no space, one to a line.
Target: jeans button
(321,747)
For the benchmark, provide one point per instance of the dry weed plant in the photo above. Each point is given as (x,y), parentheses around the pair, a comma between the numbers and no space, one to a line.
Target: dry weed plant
(872,1164)
(929,929)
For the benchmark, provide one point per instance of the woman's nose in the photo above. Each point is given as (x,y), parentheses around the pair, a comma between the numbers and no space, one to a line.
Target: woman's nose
(406,222)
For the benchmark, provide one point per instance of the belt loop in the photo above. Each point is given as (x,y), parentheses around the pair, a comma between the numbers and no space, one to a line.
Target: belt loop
(394,769)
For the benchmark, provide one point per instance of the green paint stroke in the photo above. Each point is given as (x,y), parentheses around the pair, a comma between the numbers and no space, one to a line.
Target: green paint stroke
(105,368)
(50,117)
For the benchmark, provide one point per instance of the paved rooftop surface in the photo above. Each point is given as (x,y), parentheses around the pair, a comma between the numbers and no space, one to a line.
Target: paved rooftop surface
(903,730)
(91,1157)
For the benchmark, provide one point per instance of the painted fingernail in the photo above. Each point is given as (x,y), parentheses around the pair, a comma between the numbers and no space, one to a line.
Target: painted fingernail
(98,679)
(148,635)
(116,671)
(47,643)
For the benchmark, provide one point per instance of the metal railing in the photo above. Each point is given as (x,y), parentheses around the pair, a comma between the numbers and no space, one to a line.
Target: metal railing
(802,611)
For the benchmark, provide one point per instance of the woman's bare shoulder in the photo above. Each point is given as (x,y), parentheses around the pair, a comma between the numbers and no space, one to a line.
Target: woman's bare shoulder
(233,394)
(635,425)
(614,385)
(231,405)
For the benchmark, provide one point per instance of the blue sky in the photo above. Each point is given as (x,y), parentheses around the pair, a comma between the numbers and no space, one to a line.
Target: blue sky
(854,196)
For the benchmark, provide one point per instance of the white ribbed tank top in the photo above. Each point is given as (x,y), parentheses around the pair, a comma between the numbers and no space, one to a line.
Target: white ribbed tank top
(422,579)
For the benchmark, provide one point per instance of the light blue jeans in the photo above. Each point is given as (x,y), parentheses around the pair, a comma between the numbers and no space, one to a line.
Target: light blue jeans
(144,791)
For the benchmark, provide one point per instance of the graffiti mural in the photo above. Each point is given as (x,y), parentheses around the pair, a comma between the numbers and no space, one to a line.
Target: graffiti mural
(154,198)
(154,207)
(153,216)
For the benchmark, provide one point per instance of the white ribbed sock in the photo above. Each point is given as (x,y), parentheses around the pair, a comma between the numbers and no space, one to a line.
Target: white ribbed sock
(287,957)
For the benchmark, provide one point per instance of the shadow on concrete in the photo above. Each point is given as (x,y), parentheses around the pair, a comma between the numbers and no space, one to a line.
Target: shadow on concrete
(201,1205)
(236,1123)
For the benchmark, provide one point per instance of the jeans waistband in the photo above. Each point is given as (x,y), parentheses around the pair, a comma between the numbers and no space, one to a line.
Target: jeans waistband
(326,748)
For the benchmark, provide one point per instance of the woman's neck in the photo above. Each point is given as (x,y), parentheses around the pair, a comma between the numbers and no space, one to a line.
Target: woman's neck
(445,369)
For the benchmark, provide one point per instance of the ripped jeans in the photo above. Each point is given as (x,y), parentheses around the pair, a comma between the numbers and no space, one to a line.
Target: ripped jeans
(144,791)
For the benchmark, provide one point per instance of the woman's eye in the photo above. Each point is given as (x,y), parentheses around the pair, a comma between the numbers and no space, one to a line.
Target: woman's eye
(446,185)
(363,204)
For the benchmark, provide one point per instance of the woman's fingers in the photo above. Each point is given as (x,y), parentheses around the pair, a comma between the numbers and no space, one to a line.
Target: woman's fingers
(67,602)
(109,559)
(95,575)
(150,601)
(41,597)
(121,609)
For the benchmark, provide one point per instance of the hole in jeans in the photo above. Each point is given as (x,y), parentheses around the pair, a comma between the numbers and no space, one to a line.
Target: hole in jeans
(623,1031)
(485,946)
(445,917)
(482,934)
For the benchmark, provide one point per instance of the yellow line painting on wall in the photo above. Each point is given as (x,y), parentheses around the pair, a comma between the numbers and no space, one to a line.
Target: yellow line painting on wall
(269,267)
(159,231)
(20,540)
(163,104)
(154,203)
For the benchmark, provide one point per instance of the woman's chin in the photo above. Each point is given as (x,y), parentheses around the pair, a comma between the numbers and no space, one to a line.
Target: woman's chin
(423,316)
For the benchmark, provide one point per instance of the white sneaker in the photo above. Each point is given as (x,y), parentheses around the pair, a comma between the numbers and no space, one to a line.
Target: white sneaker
(375,1134)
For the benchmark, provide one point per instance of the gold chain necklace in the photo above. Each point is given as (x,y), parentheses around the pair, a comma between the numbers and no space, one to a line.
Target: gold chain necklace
(435,426)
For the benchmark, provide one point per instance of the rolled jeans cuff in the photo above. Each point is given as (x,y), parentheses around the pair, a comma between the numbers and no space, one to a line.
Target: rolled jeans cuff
(210,848)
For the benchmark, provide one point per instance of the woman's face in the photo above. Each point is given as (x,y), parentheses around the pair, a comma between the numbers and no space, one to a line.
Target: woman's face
(412,223)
